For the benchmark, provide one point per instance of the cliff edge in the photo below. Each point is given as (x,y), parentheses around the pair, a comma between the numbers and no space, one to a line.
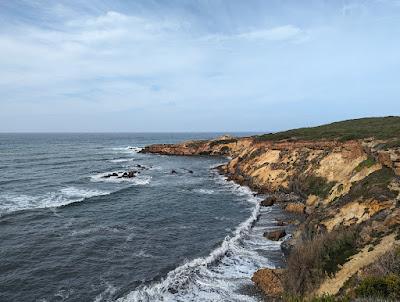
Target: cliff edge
(344,178)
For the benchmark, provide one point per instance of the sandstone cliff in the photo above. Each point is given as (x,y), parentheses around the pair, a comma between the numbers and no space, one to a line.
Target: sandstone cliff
(340,182)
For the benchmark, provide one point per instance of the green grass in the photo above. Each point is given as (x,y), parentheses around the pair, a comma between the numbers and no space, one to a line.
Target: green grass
(369,162)
(377,127)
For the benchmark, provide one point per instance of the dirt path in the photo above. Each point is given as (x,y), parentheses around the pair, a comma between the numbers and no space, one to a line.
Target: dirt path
(332,285)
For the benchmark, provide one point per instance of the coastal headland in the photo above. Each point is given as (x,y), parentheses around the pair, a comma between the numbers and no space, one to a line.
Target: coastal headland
(344,179)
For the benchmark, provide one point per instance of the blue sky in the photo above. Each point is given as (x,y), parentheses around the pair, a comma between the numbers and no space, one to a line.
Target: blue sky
(199,65)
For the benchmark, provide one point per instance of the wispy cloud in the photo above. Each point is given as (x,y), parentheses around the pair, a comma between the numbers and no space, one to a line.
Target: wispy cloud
(68,59)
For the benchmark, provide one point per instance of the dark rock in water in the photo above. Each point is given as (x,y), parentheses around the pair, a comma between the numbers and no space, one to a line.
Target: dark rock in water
(275,235)
(281,223)
(190,171)
(174,172)
(172,290)
(129,174)
(269,201)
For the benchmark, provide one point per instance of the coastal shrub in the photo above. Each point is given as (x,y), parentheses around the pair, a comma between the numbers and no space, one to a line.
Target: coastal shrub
(323,298)
(385,265)
(317,186)
(378,127)
(375,185)
(311,261)
(390,145)
(369,162)
(380,287)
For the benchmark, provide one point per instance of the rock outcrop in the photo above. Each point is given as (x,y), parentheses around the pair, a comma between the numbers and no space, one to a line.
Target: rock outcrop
(275,235)
(270,281)
(333,183)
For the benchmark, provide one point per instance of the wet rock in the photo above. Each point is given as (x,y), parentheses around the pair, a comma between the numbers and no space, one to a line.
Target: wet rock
(281,223)
(174,172)
(129,174)
(270,281)
(269,201)
(275,235)
(190,171)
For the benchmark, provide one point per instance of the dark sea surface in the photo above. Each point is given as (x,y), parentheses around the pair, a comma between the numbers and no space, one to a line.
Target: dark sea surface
(68,234)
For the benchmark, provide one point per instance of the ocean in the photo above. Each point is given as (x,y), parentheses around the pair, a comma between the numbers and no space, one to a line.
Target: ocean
(177,231)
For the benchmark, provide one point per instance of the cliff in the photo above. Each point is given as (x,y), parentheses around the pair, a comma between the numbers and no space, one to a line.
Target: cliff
(345,179)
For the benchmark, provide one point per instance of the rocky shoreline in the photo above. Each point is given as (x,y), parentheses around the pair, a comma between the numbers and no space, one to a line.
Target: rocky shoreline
(347,193)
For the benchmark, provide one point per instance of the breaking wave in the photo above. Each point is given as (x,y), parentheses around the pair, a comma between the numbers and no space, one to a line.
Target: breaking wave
(11,202)
(222,274)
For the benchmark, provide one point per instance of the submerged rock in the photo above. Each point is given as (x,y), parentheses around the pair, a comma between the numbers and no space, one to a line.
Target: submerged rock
(270,281)
(275,235)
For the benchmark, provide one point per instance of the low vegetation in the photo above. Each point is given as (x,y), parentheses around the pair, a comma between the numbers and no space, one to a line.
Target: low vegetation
(380,287)
(382,279)
(311,261)
(375,185)
(390,145)
(317,186)
(324,298)
(376,127)
(369,162)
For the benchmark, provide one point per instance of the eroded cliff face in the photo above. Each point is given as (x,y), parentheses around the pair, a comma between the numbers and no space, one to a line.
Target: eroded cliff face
(338,184)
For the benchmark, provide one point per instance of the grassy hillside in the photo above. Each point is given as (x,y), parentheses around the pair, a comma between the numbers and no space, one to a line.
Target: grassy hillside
(377,127)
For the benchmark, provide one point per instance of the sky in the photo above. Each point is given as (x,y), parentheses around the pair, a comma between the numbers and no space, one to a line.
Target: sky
(196,65)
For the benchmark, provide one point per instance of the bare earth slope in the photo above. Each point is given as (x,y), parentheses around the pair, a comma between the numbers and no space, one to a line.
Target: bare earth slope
(343,178)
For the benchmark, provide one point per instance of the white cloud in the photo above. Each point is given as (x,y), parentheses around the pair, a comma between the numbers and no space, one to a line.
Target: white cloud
(279,33)
(112,62)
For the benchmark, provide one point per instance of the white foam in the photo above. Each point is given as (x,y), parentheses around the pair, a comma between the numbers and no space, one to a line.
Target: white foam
(11,202)
(217,276)
(82,193)
(142,254)
(204,191)
(107,294)
(121,160)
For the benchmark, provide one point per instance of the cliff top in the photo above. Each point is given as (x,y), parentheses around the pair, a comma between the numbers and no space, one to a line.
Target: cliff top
(373,127)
